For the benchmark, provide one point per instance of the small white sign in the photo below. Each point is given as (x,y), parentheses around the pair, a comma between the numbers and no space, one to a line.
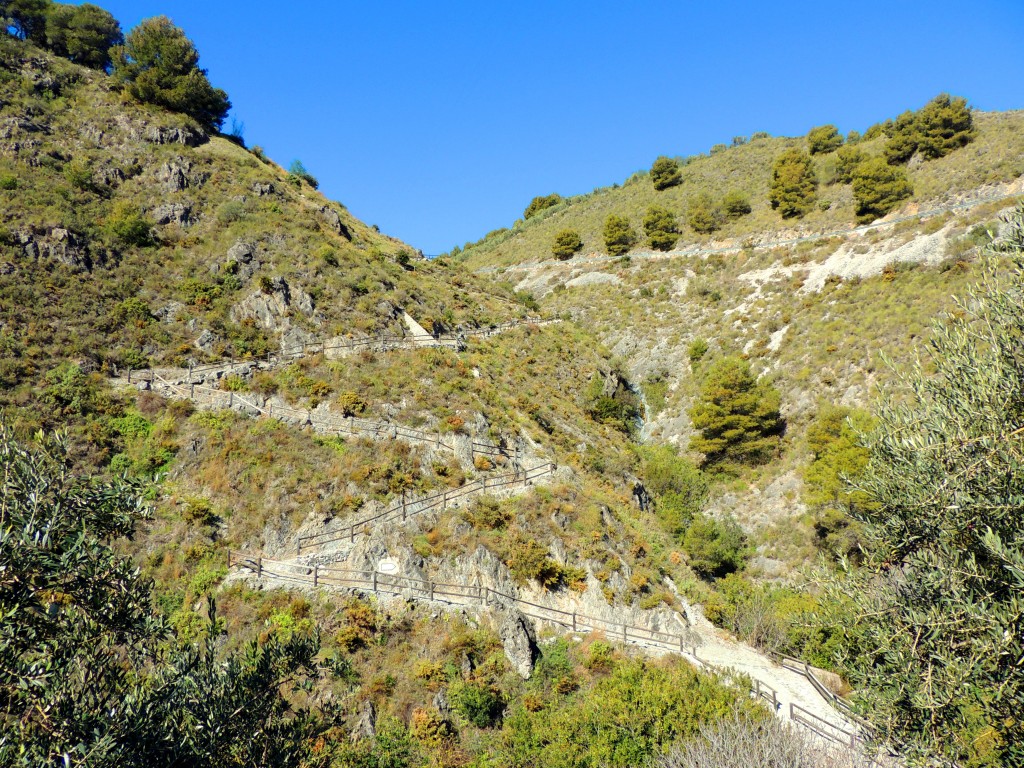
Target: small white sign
(387,566)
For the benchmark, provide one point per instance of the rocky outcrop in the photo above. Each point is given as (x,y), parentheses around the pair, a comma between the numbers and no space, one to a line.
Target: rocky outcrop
(186,135)
(334,222)
(242,258)
(273,307)
(519,641)
(173,213)
(365,726)
(58,243)
(263,188)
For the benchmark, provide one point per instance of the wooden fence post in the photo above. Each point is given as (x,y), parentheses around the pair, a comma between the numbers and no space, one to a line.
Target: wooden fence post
(316,575)
(229,558)
(574,621)
(129,374)
(431,590)
(259,567)
(625,637)
(374,581)
(192,391)
(403,506)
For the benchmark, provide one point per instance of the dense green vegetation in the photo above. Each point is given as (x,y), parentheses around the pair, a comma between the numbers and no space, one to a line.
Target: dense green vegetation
(937,640)
(619,234)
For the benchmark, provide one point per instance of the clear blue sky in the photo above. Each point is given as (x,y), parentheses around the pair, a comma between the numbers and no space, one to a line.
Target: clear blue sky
(438,121)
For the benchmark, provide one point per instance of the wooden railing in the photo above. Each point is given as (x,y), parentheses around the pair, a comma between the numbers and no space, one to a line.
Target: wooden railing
(403,509)
(381,343)
(200,393)
(806,670)
(465,594)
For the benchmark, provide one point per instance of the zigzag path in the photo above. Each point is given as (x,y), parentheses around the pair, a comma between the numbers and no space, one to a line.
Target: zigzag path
(788,685)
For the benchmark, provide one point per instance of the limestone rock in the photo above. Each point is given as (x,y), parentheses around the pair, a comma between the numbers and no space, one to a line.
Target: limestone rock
(173,175)
(519,641)
(366,722)
(263,188)
(60,244)
(186,135)
(173,213)
(206,341)
(333,220)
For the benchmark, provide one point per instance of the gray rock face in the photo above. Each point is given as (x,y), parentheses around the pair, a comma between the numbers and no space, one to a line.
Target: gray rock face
(189,137)
(519,642)
(263,188)
(173,213)
(110,177)
(60,244)
(243,255)
(242,252)
(173,175)
(333,220)
(366,722)
(206,341)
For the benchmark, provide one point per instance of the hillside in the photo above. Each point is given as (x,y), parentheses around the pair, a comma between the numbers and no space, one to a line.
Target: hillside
(991,160)
(319,501)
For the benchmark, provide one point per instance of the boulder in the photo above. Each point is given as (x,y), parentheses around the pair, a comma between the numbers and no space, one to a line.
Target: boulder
(173,175)
(365,726)
(173,213)
(519,641)
(334,222)
(263,188)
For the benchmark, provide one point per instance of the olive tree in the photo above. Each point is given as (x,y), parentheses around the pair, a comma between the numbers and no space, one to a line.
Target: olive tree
(937,644)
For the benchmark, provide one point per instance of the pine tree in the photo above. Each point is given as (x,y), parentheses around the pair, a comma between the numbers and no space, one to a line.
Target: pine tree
(878,188)
(703,215)
(738,416)
(567,242)
(159,65)
(793,187)
(660,228)
(619,236)
(824,139)
(665,173)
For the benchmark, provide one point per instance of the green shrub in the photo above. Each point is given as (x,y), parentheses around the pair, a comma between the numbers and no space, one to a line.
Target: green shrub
(714,548)
(538,204)
(793,187)
(879,188)
(479,703)
(823,139)
(297,172)
(567,242)
(697,349)
(127,226)
(660,228)
(8,182)
(736,204)
(703,215)
(619,236)
(665,173)
(679,489)
(159,65)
